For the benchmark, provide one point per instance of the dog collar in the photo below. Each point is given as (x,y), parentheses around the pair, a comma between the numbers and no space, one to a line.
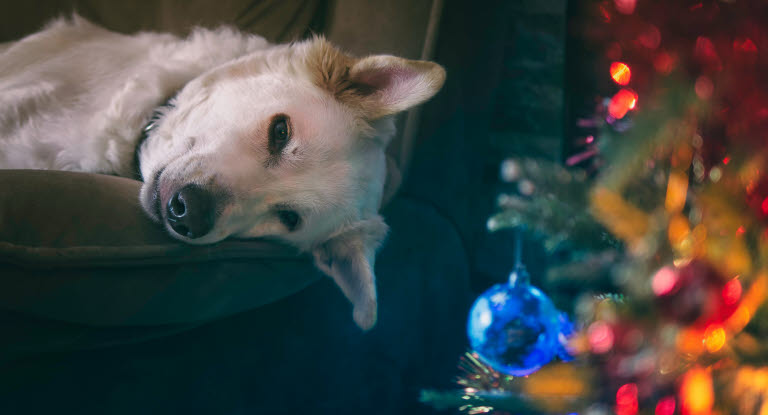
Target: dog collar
(157,114)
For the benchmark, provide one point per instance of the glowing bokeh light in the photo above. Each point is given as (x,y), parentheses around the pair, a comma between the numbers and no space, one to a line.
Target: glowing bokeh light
(620,73)
(625,6)
(622,102)
(696,394)
(764,206)
(746,45)
(704,87)
(626,399)
(705,50)
(714,337)
(600,337)
(666,406)
(650,38)
(732,291)
(664,63)
(664,281)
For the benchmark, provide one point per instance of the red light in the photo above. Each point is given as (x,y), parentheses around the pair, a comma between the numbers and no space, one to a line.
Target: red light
(620,73)
(704,87)
(626,399)
(764,206)
(666,406)
(664,281)
(741,230)
(650,38)
(625,6)
(600,337)
(622,102)
(664,63)
(726,160)
(605,14)
(746,45)
(705,51)
(732,291)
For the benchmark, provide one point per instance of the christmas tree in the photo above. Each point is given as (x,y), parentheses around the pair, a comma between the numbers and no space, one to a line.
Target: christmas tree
(663,214)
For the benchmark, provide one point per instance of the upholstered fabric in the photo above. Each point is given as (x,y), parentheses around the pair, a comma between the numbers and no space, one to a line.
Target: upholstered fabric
(77,247)
(276,20)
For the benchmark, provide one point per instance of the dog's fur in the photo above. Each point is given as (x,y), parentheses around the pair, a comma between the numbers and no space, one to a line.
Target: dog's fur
(76,97)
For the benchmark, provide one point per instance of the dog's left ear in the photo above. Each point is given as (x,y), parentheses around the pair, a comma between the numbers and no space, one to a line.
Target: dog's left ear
(384,85)
(348,257)
(375,86)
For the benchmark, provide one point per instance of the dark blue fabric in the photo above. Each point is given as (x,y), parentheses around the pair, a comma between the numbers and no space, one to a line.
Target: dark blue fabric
(299,355)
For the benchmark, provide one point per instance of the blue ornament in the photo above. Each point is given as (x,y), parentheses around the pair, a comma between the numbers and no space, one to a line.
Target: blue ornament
(515,328)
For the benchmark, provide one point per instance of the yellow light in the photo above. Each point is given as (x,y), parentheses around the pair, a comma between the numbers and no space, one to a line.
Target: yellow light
(696,394)
(714,338)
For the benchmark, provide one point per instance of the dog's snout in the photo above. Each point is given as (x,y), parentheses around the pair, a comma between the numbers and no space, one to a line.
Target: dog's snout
(191,211)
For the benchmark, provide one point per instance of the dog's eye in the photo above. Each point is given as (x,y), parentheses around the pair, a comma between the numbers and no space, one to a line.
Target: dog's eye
(290,219)
(279,133)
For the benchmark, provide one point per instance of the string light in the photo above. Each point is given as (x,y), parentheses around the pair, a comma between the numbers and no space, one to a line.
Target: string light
(600,337)
(626,399)
(714,338)
(621,103)
(696,393)
(620,73)
(665,406)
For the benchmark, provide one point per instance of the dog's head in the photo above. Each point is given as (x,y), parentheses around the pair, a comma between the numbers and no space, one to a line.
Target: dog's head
(286,143)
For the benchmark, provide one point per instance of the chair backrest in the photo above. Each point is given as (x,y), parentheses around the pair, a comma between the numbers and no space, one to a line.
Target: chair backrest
(405,28)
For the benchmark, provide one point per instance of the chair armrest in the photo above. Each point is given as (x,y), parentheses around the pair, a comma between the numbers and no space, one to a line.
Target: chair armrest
(77,247)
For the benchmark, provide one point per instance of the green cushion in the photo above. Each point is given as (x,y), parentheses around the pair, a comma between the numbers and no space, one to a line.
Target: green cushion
(77,247)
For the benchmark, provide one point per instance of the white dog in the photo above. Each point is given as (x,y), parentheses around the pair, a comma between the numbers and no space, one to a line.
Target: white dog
(257,140)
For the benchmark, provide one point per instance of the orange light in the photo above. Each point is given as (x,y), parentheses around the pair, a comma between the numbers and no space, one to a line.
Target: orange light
(677,192)
(678,229)
(696,394)
(620,73)
(622,102)
(714,338)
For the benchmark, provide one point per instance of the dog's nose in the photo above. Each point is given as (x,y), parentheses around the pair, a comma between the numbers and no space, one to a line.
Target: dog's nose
(191,211)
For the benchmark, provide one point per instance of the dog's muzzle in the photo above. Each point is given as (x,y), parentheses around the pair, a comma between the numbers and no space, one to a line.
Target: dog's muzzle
(191,211)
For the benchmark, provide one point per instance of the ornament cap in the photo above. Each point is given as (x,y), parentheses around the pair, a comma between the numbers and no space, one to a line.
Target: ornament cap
(519,276)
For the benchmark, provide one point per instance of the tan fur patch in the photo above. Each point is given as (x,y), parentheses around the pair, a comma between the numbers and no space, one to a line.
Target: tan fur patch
(374,86)
(330,68)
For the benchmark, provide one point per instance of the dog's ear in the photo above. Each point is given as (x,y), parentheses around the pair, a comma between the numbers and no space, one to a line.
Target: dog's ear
(348,257)
(376,86)
(386,85)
